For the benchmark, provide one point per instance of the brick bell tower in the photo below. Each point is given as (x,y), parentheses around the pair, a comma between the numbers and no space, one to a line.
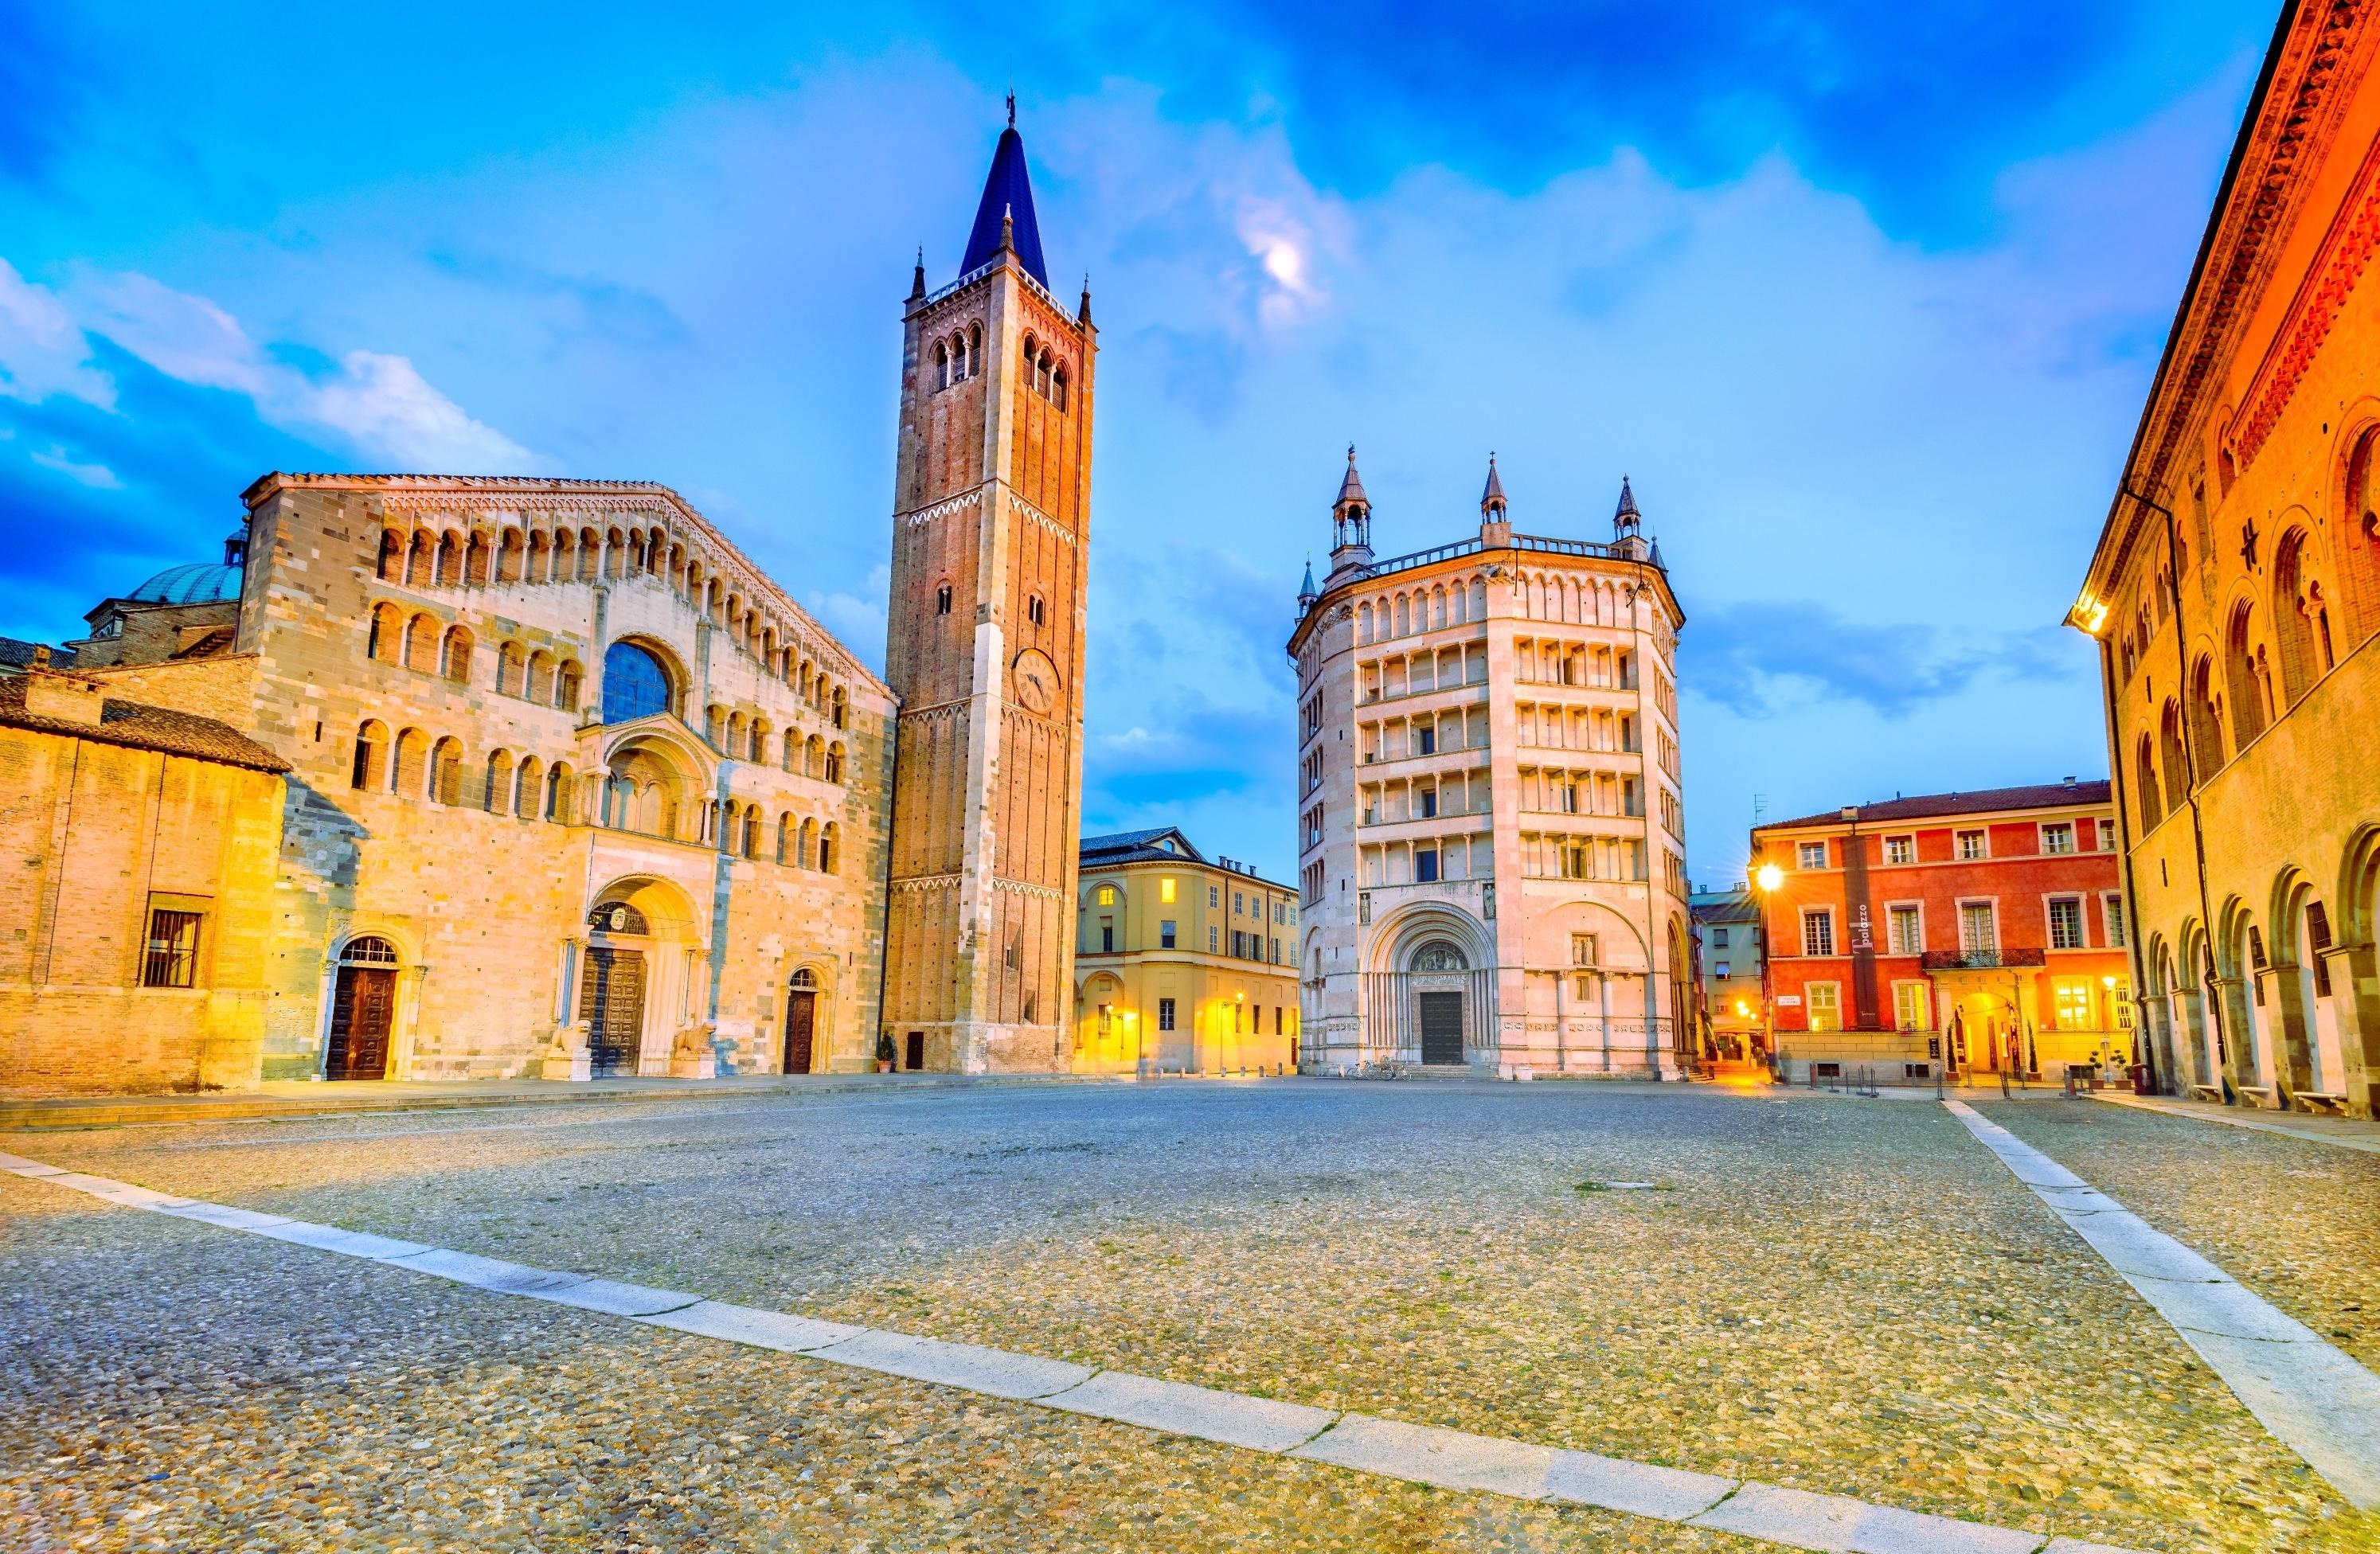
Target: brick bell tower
(990,543)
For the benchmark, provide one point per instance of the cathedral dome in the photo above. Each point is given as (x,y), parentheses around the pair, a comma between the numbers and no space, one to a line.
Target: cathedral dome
(198,582)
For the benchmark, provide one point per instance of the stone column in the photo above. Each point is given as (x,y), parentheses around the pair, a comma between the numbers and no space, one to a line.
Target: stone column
(2240,1063)
(2355,1000)
(2291,1021)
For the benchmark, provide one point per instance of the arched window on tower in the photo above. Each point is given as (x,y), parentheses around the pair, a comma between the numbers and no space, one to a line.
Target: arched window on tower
(942,600)
(458,652)
(829,848)
(567,681)
(942,368)
(496,798)
(446,771)
(1058,389)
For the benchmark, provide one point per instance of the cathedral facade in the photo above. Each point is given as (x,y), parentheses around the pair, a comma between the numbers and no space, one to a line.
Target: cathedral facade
(1491,827)
(570,788)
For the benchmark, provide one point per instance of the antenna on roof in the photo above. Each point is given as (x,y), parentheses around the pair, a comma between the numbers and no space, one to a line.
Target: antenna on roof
(1012,107)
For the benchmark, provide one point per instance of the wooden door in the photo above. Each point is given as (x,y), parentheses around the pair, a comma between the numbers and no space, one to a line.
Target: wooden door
(612,1001)
(801,1022)
(363,1010)
(1442,1027)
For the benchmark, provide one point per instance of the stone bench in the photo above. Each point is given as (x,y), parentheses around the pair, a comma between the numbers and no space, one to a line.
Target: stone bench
(2206,1092)
(2319,1102)
(2263,1094)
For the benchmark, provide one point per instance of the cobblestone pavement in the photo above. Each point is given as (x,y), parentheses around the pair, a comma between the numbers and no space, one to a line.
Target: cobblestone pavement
(2295,1221)
(1834,1295)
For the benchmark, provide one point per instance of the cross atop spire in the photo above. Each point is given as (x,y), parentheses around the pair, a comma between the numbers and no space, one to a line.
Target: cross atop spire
(1007,199)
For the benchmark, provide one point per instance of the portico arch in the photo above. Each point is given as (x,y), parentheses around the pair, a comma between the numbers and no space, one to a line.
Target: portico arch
(639,983)
(1427,990)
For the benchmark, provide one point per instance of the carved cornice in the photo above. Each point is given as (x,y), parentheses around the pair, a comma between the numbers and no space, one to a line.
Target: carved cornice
(2299,104)
(2347,250)
(1020,887)
(921,882)
(1041,517)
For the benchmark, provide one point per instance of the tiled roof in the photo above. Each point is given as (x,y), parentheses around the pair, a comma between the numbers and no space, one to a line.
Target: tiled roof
(141,727)
(1137,846)
(17,653)
(1982,801)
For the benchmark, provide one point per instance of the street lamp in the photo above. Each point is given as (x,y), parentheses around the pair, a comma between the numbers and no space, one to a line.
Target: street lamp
(1768,876)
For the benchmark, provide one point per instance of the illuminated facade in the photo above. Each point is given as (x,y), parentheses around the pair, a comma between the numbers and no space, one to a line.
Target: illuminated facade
(1185,965)
(1973,933)
(2235,598)
(1491,836)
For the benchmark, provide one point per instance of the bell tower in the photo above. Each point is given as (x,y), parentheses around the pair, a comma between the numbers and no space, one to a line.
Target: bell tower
(991,553)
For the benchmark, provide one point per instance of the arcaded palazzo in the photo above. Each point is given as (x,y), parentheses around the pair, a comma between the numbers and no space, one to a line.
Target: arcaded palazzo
(1492,861)
(991,540)
(2235,600)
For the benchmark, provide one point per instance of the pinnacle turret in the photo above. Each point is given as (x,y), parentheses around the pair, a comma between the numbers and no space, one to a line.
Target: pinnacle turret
(1491,501)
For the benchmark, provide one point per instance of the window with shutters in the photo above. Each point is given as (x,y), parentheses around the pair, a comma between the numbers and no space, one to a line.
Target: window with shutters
(1819,932)
(1905,930)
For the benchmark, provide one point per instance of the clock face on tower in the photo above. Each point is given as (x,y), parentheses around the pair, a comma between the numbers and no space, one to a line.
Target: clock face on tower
(1037,681)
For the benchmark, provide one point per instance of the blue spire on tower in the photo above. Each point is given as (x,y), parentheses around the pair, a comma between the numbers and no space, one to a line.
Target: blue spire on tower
(1007,191)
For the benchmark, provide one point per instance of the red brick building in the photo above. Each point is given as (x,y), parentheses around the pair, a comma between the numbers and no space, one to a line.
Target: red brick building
(1972,932)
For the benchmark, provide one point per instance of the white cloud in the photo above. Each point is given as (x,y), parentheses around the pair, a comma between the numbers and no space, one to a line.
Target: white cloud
(379,404)
(42,351)
(856,619)
(95,475)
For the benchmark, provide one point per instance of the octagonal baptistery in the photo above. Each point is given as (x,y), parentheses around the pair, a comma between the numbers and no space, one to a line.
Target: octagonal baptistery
(579,790)
(1490,828)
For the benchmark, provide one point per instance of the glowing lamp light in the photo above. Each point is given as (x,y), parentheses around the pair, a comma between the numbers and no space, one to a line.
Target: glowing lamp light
(1769,876)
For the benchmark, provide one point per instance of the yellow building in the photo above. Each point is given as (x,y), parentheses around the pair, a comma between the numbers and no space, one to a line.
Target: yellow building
(1182,964)
(2235,598)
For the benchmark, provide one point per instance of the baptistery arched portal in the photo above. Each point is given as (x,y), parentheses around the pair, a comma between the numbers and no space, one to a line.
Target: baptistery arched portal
(1437,968)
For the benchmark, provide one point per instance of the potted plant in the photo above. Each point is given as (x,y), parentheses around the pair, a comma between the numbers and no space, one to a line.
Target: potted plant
(884,1051)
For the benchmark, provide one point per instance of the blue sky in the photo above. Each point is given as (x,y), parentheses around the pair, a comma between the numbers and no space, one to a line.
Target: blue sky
(1863,296)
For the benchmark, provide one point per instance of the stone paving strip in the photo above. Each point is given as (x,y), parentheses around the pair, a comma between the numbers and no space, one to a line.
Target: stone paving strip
(2340,1133)
(1388,1447)
(2311,1395)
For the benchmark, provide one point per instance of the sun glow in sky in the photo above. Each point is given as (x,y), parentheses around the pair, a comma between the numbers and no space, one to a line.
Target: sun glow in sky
(1864,298)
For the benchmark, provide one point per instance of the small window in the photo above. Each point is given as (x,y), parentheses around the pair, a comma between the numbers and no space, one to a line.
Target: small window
(2057,838)
(1165,1013)
(2114,908)
(1036,611)
(1107,937)
(1214,940)
(1107,897)
(173,955)
(1214,897)
(1165,934)
(1718,939)
(1819,932)
(1165,892)
(1900,849)
(1823,1071)
(1825,1005)
(1971,845)
(1721,969)
(942,600)
(1426,866)
(1812,854)
(1425,740)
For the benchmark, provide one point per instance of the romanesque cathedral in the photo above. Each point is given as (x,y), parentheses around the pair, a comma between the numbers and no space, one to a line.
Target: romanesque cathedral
(468,776)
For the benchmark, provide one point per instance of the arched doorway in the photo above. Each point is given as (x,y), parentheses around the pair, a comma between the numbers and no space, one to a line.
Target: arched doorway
(363,1009)
(801,1021)
(1438,970)
(612,993)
